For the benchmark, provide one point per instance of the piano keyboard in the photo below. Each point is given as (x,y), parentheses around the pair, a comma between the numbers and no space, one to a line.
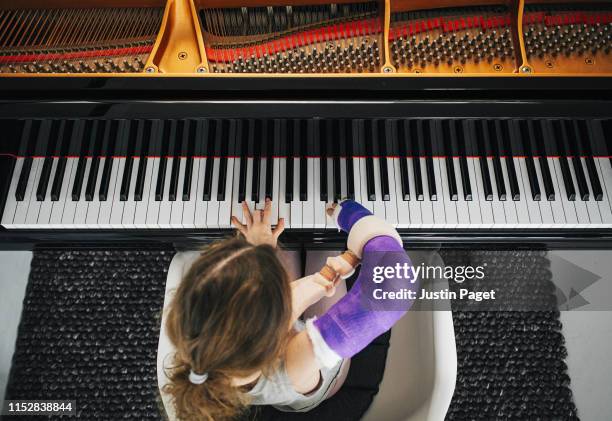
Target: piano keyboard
(416,174)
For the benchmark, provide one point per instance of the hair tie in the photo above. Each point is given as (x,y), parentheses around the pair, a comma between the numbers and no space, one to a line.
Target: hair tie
(196,378)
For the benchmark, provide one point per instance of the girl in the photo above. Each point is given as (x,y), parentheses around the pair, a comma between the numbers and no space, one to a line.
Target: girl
(234,320)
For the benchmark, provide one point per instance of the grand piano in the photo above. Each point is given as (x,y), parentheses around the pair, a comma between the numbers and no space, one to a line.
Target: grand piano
(463,123)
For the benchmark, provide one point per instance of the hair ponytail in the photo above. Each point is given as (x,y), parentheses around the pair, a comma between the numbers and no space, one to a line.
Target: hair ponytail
(229,318)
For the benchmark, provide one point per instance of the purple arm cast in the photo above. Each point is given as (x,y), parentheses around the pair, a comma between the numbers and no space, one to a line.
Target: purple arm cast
(357,319)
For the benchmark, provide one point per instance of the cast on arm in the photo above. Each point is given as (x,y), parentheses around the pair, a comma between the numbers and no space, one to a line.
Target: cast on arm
(357,319)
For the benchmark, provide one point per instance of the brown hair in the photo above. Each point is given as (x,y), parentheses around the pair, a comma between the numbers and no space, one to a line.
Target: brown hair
(229,318)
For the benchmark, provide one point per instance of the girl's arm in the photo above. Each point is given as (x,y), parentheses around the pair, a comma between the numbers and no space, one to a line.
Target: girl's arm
(357,319)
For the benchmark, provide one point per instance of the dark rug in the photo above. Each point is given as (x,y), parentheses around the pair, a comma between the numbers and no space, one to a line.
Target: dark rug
(89,332)
(510,363)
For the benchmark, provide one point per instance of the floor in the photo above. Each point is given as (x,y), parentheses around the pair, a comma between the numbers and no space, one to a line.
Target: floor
(587,329)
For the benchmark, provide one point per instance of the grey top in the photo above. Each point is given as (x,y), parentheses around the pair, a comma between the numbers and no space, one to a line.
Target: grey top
(277,390)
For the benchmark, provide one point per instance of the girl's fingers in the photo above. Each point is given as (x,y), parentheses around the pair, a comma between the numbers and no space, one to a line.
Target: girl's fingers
(267,211)
(339,265)
(280,227)
(247,214)
(239,226)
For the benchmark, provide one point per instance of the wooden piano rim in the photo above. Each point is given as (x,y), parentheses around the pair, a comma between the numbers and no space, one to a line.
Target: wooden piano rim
(300,75)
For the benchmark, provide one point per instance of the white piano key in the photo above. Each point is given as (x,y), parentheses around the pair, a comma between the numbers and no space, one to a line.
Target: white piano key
(476,218)
(545,208)
(142,206)
(27,210)
(44,214)
(329,223)
(556,205)
(129,207)
(93,206)
(414,205)
(284,208)
(81,205)
(391,206)
(357,178)
(591,204)
(249,189)
(70,206)
(379,204)
(449,206)
(364,200)
(165,205)
(225,206)
(581,208)
(401,205)
(463,210)
(116,219)
(488,219)
(510,211)
(11,201)
(236,205)
(278,197)
(522,211)
(106,206)
(569,209)
(427,210)
(176,209)
(59,206)
(152,220)
(201,206)
(533,207)
(497,206)
(318,206)
(260,203)
(604,171)
(212,212)
(343,179)
(296,204)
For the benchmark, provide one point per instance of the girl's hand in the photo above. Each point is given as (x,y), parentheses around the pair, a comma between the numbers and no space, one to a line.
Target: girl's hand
(258,230)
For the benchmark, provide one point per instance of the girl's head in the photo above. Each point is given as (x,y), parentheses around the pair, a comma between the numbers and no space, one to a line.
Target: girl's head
(230,318)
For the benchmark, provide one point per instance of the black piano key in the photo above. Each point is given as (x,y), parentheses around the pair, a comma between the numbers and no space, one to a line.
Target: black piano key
(429,165)
(144,158)
(291,143)
(99,138)
(86,139)
(482,159)
(109,161)
(463,164)
(450,164)
(190,136)
(416,159)
(30,135)
(129,161)
(348,147)
(160,183)
(544,167)
(259,136)
(174,179)
(534,185)
(224,139)
(26,168)
(369,161)
(244,129)
(573,139)
(304,141)
(45,175)
(337,143)
(322,140)
(382,160)
(560,137)
(60,169)
(403,156)
(587,152)
(506,145)
(606,126)
(269,186)
(496,159)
